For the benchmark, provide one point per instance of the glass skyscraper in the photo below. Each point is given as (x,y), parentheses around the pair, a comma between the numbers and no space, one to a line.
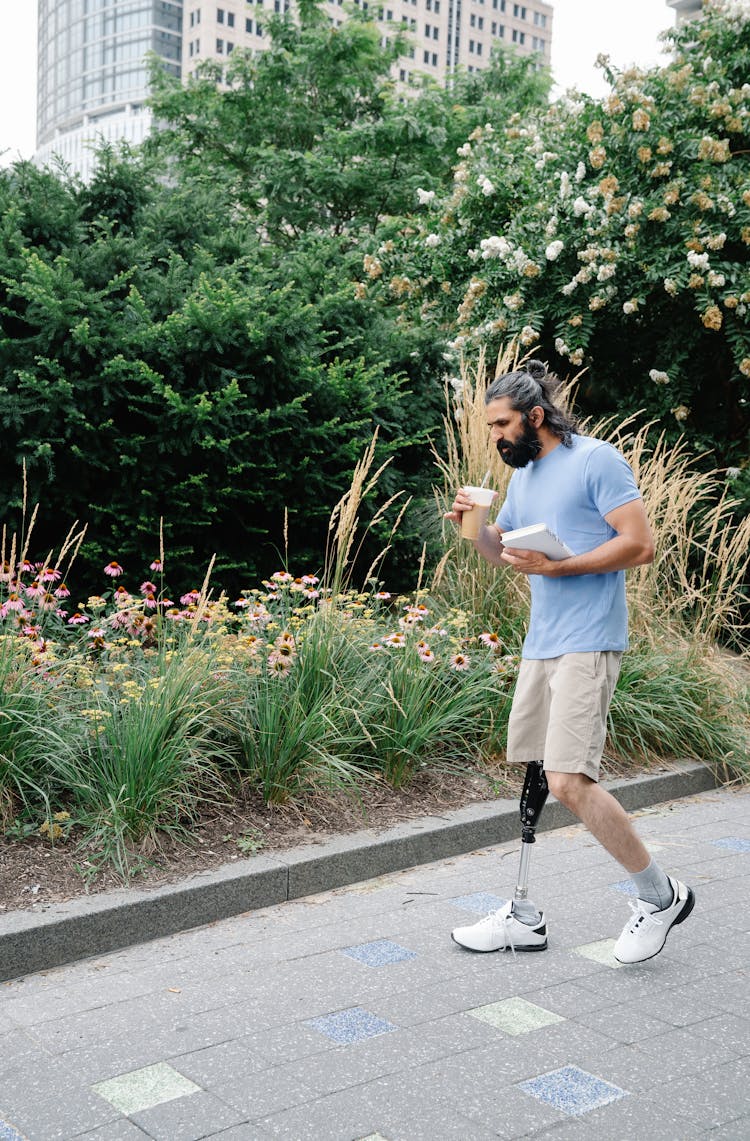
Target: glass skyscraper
(93,75)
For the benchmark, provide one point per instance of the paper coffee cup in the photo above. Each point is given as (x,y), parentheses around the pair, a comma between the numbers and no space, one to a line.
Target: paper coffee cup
(472,520)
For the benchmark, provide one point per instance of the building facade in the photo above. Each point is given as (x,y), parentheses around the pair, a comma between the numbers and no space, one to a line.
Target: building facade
(445,34)
(93,75)
(686,9)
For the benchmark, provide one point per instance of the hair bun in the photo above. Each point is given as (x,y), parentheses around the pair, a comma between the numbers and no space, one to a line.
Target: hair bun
(535,369)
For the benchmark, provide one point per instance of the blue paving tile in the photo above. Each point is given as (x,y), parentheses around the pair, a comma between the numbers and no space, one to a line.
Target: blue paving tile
(480,902)
(572,1090)
(379,953)
(626,886)
(732,844)
(8,1133)
(352,1025)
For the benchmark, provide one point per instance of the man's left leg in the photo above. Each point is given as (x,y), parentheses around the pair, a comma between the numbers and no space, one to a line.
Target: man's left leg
(582,687)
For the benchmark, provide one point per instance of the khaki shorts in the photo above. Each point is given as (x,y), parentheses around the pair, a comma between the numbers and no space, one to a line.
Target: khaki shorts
(559,712)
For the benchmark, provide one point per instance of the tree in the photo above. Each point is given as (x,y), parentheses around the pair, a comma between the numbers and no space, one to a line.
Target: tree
(615,234)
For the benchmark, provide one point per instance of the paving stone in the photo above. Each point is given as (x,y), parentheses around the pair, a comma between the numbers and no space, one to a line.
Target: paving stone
(515,1015)
(46,1104)
(143,1089)
(381,953)
(188,1118)
(572,1090)
(8,1132)
(351,1025)
(122,1130)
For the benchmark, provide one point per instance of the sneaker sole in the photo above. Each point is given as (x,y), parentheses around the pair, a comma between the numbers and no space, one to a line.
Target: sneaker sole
(494,950)
(687,908)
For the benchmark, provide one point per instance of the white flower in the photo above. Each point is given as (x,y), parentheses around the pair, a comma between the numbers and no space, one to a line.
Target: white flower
(658,377)
(717,279)
(670,286)
(513,301)
(580,172)
(495,247)
(697,261)
(464,151)
(560,347)
(733,473)
(554,249)
(581,206)
(716,242)
(569,288)
(528,335)
(605,272)
(424,197)
(551,228)
(564,184)
(488,188)
(681,413)
(432,240)
(630,307)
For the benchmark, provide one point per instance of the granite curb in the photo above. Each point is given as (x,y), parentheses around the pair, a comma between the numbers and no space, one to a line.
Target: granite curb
(93,925)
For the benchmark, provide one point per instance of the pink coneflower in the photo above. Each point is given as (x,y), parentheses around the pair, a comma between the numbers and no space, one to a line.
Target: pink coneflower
(113,569)
(34,589)
(78,619)
(310,579)
(190,598)
(378,647)
(395,640)
(166,602)
(122,597)
(25,567)
(281,576)
(61,614)
(48,601)
(311,594)
(383,596)
(150,600)
(427,656)
(157,565)
(6,574)
(491,640)
(419,609)
(62,591)
(13,602)
(51,574)
(278,663)
(240,603)
(285,639)
(459,662)
(147,588)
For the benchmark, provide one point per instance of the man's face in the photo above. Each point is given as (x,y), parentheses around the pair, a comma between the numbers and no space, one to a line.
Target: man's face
(517,443)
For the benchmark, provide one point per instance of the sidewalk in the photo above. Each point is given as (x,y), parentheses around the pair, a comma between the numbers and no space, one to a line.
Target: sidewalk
(350,1014)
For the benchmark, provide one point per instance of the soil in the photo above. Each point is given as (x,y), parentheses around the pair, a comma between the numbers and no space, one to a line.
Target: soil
(35,873)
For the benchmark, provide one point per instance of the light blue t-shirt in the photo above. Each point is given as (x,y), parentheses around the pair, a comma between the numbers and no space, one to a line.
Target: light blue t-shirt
(571,490)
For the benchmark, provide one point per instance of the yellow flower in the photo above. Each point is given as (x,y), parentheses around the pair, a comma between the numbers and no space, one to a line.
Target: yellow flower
(695,281)
(645,154)
(664,147)
(714,150)
(576,321)
(681,413)
(597,157)
(608,186)
(712,317)
(661,170)
(702,201)
(671,196)
(641,121)
(372,266)
(595,131)
(731,302)
(745,235)
(746,197)
(659,214)
(745,366)
(360,290)
(531,270)
(613,104)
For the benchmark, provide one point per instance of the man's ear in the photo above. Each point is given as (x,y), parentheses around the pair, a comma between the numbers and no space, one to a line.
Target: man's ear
(536,416)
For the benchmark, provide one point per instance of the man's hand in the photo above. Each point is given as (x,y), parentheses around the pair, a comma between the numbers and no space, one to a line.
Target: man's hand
(530,562)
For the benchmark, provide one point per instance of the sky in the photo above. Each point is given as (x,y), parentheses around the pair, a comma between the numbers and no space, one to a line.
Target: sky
(626,30)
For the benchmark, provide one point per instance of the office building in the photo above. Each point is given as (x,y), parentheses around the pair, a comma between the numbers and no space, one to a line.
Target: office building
(93,75)
(686,9)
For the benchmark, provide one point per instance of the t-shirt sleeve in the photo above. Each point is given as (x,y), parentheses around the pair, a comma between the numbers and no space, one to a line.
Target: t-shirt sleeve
(505,520)
(609,479)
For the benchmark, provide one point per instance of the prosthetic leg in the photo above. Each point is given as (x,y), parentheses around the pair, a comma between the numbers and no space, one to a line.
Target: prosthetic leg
(533,797)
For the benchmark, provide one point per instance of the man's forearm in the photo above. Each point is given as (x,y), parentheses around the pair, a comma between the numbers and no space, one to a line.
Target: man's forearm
(489,545)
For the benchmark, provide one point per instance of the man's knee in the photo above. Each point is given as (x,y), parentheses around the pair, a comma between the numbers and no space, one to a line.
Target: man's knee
(568,788)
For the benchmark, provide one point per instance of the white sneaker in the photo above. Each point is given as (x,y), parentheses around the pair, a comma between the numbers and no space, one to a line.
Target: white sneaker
(501,931)
(646,933)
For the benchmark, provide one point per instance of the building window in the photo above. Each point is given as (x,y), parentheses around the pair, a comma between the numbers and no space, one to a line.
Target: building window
(498,5)
(436,6)
(540,19)
(479,47)
(471,46)
(249,26)
(219,15)
(259,29)
(220,47)
(519,11)
(230,47)
(518,37)
(428,30)
(230,19)
(434,59)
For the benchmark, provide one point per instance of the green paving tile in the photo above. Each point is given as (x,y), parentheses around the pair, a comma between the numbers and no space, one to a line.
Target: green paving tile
(143,1089)
(515,1015)
(373,1137)
(600,952)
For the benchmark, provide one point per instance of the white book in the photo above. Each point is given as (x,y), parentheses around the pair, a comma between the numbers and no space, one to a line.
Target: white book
(537,537)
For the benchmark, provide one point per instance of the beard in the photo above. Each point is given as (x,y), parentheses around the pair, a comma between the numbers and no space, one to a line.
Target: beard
(526,448)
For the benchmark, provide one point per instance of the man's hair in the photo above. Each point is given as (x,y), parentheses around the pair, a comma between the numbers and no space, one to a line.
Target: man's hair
(530,387)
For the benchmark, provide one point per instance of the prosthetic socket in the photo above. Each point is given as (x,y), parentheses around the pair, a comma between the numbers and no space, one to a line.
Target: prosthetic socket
(533,797)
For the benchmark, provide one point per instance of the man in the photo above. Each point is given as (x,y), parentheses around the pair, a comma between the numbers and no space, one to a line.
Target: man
(584,490)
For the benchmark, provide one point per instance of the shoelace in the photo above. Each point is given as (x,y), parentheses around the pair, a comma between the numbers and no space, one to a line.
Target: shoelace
(502,918)
(642,917)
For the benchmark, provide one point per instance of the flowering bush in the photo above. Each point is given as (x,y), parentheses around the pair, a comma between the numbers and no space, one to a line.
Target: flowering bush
(616,235)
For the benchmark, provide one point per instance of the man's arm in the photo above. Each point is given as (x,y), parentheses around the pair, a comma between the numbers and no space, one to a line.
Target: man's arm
(632,546)
(488,544)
